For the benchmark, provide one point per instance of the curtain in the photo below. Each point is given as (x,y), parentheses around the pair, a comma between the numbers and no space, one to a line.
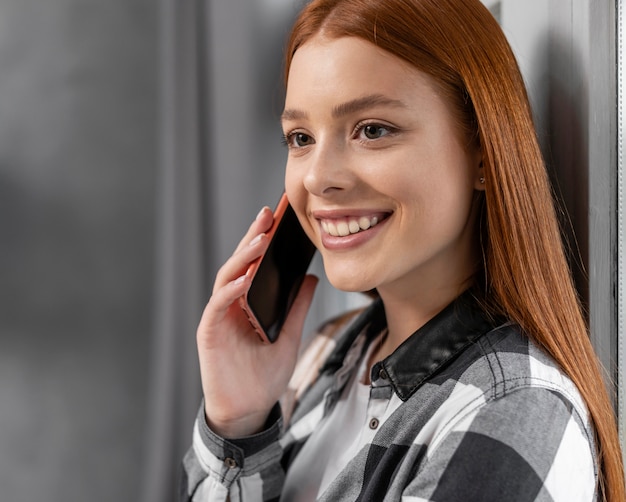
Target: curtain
(183,256)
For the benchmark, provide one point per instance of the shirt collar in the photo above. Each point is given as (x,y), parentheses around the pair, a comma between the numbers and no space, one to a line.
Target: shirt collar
(426,351)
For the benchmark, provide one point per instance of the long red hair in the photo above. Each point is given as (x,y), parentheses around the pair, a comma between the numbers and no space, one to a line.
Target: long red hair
(525,271)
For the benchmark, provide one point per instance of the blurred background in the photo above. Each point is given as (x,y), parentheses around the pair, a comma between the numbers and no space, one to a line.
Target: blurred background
(138,139)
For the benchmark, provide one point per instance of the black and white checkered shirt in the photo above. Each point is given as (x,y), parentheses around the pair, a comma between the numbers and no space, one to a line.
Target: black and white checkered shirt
(475,412)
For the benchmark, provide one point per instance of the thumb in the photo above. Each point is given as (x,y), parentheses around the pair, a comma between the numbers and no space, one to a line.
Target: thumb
(295,320)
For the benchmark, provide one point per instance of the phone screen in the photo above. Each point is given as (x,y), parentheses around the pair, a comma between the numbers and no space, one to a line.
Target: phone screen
(279,275)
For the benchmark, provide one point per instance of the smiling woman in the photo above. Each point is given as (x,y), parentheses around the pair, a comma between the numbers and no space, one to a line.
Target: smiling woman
(414,168)
(393,154)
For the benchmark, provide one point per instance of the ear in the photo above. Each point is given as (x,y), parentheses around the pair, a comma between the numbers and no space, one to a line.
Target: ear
(479,183)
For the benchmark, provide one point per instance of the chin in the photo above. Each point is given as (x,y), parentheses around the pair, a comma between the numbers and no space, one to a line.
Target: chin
(350,283)
(350,275)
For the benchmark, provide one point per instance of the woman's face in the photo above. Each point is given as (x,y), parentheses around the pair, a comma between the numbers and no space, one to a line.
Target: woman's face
(378,173)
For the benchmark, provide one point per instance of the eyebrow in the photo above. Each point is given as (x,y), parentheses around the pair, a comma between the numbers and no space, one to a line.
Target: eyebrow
(349,107)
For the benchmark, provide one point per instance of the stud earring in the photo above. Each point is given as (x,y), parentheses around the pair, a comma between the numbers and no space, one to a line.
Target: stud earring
(482,180)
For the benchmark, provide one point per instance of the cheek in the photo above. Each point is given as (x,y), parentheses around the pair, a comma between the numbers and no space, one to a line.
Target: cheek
(449,206)
(297,196)
(294,189)
(439,195)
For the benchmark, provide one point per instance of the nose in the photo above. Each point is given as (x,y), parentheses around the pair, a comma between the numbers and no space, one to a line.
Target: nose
(328,171)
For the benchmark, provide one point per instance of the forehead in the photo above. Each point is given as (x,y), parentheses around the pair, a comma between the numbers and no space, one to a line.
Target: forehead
(344,68)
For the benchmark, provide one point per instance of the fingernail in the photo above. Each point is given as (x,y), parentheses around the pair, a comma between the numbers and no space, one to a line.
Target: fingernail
(260,213)
(239,280)
(255,240)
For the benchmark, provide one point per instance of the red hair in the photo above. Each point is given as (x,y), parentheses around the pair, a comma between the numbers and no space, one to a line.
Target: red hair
(526,273)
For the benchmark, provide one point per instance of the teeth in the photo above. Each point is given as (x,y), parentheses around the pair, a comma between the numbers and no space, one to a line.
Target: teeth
(344,228)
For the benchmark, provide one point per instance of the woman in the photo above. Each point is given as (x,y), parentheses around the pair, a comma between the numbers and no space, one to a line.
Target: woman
(414,168)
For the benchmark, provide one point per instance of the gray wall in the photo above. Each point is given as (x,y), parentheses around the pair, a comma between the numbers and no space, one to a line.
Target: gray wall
(78,114)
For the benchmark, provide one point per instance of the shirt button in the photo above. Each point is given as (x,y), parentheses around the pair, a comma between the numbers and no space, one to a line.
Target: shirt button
(383,374)
(231,463)
(374,423)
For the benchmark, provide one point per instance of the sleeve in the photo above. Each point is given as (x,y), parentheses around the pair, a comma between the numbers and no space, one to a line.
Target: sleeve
(530,445)
(251,469)
(218,470)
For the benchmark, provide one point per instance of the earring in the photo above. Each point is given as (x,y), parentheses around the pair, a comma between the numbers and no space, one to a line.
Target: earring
(482,180)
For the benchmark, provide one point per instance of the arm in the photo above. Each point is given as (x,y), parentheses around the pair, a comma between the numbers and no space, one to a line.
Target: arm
(242,380)
(216,469)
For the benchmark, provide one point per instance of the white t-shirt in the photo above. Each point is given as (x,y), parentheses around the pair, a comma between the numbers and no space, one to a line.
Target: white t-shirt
(351,425)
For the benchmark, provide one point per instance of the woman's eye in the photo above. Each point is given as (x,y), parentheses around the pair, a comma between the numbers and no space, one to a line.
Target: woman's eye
(303,139)
(375,131)
(298,140)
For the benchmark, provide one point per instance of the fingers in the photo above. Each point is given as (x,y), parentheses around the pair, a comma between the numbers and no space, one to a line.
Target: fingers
(231,281)
(261,223)
(222,298)
(237,265)
(253,244)
(302,303)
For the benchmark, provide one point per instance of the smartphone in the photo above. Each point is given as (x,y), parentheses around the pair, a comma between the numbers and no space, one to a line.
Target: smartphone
(278,274)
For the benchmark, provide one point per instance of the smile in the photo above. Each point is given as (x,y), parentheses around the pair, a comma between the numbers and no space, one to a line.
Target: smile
(347,226)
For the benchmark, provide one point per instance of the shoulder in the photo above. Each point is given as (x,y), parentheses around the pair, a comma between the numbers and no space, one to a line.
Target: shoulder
(511,408)
(506,361)
(505,364)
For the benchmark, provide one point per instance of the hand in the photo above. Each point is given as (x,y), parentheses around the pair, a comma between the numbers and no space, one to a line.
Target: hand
(242,378)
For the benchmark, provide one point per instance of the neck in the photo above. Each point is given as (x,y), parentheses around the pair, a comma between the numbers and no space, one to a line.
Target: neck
(407,313)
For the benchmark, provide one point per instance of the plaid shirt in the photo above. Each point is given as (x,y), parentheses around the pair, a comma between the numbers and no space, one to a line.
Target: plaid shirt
(475,412)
